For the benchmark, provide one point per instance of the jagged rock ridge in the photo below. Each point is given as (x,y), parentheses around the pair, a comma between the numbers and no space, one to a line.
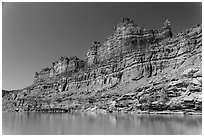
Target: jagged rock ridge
(135,69)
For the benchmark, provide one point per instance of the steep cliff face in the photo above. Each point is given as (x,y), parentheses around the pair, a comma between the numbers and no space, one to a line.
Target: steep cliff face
(134,70)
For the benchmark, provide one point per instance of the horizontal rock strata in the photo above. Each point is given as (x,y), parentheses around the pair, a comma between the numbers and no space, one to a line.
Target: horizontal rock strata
(134,70)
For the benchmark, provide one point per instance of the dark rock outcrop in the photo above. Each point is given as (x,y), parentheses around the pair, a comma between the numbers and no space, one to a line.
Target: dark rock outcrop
(134,70)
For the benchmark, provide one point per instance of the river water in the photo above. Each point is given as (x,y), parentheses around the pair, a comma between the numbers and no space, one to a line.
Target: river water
(97,124)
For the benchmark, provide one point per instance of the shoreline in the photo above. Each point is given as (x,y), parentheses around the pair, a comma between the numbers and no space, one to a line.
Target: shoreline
(105,112)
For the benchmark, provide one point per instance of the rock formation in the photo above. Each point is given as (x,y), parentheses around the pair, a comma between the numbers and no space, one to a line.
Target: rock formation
(134,70)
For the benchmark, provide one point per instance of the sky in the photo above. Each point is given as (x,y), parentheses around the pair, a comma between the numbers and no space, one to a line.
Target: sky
(36,34)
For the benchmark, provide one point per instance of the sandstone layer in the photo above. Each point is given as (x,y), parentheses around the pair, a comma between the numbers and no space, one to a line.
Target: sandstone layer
(134,70)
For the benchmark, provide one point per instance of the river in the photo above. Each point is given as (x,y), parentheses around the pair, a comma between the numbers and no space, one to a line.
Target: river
(98,124)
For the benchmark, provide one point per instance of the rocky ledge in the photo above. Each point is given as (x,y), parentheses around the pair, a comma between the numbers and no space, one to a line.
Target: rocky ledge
(135,70)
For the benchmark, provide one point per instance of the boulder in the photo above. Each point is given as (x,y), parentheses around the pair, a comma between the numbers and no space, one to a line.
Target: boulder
(189,72)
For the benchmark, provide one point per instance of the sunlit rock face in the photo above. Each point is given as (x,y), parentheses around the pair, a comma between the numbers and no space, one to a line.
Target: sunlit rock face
(61,65)
(127,37)
(135,69)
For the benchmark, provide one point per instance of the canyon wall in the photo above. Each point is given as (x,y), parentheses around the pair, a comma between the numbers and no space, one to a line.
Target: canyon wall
(135,69)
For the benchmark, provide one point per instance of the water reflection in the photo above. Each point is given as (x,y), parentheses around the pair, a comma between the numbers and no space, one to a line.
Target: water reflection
(91,123)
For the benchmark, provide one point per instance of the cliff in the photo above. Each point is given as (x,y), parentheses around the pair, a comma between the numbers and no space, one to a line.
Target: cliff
(134,70)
